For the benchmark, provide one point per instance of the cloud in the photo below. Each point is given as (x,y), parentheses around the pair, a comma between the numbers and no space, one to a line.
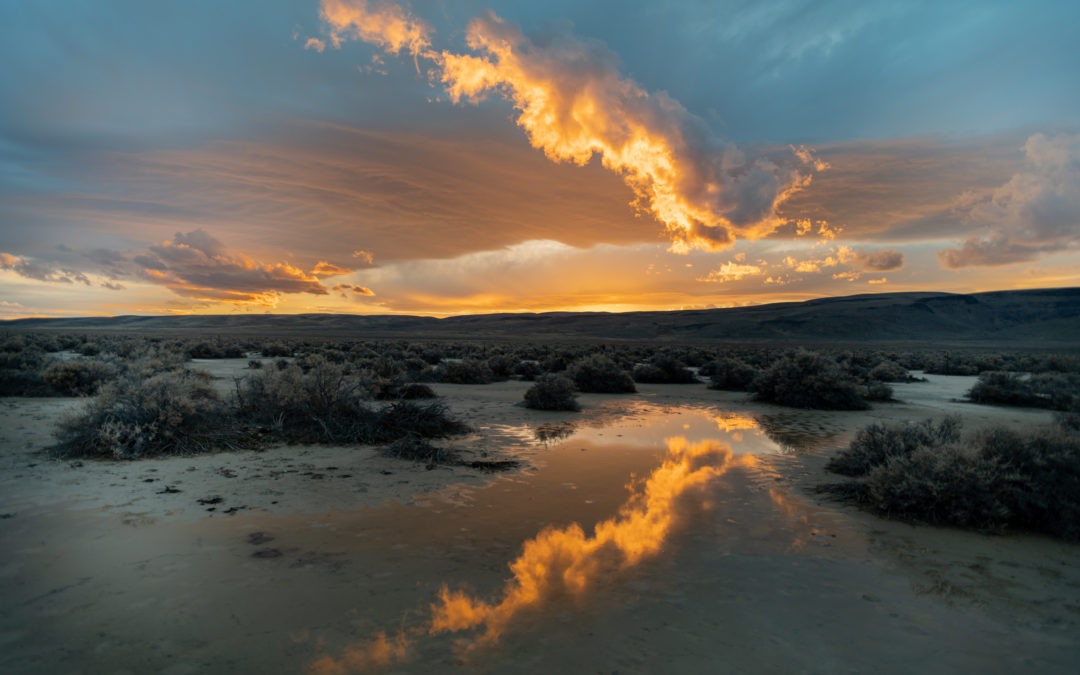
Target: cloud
(347,289)
(197,265)
(40,270)
(316,44)
(884,260)
(384,24)
(900,189)
(562,563)
(112,286)
(575,105)
(113,264)
(365,256)
(731,271)
(1036,212)
(326,269)
(403,195)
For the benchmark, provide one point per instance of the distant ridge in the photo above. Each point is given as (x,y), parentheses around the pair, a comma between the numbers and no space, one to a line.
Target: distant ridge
(1042,315)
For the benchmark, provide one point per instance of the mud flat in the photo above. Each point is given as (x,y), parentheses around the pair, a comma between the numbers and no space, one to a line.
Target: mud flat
(699,547)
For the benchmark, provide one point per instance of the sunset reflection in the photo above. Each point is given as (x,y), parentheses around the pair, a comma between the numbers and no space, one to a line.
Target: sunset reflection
(567,562)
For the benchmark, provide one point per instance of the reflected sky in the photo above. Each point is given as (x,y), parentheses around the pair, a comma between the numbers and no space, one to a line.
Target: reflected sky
(569,564)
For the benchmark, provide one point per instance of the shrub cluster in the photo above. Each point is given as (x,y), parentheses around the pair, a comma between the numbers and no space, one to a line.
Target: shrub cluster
(664,368)
(327,404)
(807,379)
(466,371)
(729,374)
(552,392)
(990,480)
(77,377)
(179,412)
(168,413)
(597,373)
(1056,391)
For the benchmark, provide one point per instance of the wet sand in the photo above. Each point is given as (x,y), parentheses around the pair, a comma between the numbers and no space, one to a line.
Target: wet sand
(312,552)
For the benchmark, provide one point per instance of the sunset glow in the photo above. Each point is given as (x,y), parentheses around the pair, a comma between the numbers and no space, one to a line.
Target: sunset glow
(566,562)
(382,157)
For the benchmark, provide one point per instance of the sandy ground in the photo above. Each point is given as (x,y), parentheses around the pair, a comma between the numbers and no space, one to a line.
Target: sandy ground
(270,561)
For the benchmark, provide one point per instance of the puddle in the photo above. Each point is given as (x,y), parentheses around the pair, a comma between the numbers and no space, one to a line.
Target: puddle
(653,542)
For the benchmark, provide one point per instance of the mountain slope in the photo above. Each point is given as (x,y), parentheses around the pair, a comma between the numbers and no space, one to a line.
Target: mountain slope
(1029,315)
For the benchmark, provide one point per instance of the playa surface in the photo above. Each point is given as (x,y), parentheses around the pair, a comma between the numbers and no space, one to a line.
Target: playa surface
(701,546)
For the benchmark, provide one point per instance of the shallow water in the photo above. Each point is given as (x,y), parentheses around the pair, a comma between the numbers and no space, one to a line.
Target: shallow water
(666,540)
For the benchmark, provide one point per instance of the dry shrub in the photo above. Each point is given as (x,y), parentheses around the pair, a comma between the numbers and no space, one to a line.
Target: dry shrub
(405,418)
(327,405)
(990,480)
(21,371)
(664,369)
(552,392)
(77,377)
(729,374)
(807,379)
(466,371)
(322,405)
(599,374)
(877,443)
(528,370)
(174,413)
(502,366)
(875,390)
(888,370)
(1056,391)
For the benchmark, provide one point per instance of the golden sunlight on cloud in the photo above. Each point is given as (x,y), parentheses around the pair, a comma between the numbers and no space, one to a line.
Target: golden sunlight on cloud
(574,105)
(384,24)
(326,269)
(731,271)
(561,562)
(196,265)
(350,289)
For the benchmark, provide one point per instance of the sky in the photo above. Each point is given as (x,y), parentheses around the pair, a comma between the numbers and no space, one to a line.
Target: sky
(438,157)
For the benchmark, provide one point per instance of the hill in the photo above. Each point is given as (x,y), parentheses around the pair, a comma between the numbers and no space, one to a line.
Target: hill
(1028,316)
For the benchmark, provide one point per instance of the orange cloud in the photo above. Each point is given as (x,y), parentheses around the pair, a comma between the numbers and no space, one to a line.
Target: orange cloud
(197,265)
(560,562)
(345,289)
(731,271)
(384,24)
(326,269)
(575,105)
(883,260)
